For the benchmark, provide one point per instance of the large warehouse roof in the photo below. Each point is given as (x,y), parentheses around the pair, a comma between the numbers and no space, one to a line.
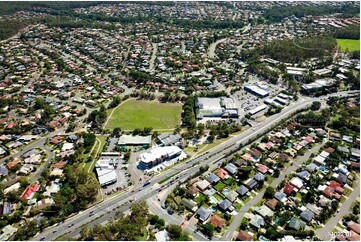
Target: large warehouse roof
(158,153)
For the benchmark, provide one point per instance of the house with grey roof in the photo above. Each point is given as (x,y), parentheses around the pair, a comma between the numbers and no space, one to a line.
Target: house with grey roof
(311,167)
(167,139)
(3,171)
(242,190)
(341,178)
(203,214)
(190,204)
(264,211)
(231,168)
(303,175)
(296,223)
(256,221)
(280,196)
(213,178)
(307,215)
(343,149)
(259,176)
(355,152)
(232,196)
(225,205)
(251,184)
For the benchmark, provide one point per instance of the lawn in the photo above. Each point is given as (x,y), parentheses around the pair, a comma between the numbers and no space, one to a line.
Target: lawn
(219,186)
(298,195)
(199,198)
(134,114)
(350,44)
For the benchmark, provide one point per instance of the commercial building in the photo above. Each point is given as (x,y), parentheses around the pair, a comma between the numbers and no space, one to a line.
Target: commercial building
(222,107)
(135,140)
(257,91)
(319,84)
(258,109)
(167,139)
(158,155)
(106,167)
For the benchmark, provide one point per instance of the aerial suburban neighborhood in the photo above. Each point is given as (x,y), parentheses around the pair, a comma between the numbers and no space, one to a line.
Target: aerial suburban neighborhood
(164,121)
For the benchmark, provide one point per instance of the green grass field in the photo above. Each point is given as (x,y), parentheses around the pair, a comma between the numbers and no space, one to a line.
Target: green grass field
(350,44)
(139,114)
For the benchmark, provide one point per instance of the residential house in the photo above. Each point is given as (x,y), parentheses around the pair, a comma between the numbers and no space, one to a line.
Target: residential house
(203,214)
(30,191)
(307,215)
(3,171)
(217,221)
(296,224)
(259,177)
(305,175)
(231,168)
(264,211)
(311,167)
(354,227)
(221,173)
(256,221)
(251,183)
(262,168)
(272,203)
(297,182)
(242,190)
(162,236)
(289,189)
(280,196)
(203,185)
(225,205)
(244,236)
(256,154)
(213,179)
(190,204)
(232,196)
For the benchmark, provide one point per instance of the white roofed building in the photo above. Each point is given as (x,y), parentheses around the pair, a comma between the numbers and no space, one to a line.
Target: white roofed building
(158,155)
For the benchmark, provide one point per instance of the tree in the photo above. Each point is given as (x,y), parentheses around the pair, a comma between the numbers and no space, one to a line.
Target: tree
(174,231)
(116,132)
(208,229)
(271,233)
(269,192)
(244,224)
(315,105)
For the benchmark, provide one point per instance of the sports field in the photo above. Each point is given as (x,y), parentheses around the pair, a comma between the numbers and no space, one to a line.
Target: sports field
(134,114)
(350,44)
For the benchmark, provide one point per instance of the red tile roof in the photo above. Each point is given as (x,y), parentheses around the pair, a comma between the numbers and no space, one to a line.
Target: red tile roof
(262,168)
(329,150)
(10,125)
(29,190)
(353,237)
(217,221)
(222,173)
(244,236)
(288,189)
(272,203)
(354,226)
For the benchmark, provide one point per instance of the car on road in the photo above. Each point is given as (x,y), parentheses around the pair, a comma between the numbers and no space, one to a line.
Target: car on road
(133,190)
(70,225)
(42,238)
(91,213)
(54,231)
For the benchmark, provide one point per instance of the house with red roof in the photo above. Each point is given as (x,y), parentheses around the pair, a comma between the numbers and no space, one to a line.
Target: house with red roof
(10,125)
(217,221)
(29,191)
(55,140)
(355,227)
(288,189)
(223,174)
(262,168)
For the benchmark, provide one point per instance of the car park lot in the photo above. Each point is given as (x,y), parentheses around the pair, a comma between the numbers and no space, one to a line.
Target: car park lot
(122,181)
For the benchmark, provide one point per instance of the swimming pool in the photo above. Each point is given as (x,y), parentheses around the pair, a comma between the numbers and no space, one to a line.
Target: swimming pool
(210,192)
(213,200)
(225,191)
(277,220)
(213,209)
(324,169)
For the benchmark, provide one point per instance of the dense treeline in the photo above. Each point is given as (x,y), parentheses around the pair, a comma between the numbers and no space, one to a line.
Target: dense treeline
(10,27)
(277,14)
(294,51)
(349,32)
(65,22)
(9,7)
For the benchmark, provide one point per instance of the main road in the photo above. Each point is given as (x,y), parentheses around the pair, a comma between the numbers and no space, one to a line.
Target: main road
(108,206)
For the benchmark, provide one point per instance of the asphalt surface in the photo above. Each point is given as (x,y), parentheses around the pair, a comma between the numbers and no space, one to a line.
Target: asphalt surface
(190,167)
